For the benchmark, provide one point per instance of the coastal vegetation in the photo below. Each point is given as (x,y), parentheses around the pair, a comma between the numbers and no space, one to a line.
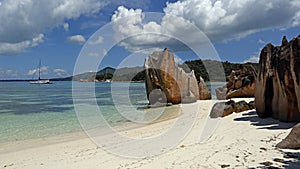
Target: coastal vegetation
(138,73)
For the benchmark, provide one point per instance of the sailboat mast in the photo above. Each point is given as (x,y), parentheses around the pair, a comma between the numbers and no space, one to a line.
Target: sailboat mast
(40,69)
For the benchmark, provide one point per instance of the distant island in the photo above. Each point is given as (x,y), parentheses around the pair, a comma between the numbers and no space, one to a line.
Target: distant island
(137,74)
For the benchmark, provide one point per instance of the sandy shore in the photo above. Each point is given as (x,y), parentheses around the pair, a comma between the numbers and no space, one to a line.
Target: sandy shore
(241,140)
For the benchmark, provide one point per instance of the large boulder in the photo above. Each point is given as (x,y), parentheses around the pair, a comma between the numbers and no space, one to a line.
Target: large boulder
(241,83)
(222,109)
(162,73)
(204,92)
(292,141)
(278,83)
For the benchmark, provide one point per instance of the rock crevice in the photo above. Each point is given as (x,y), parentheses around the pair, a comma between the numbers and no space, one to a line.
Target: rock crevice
(167,79)
(277,92)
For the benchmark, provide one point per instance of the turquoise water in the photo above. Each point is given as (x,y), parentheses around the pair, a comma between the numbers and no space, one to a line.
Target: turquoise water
(30,111)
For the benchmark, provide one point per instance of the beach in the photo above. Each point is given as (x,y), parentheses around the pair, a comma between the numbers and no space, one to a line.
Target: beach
(240,140)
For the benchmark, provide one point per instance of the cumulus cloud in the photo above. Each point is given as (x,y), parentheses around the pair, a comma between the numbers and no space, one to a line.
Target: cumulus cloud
(60,72)
(66,26)
(98,41)
(252,59)
(220,20)
(8,73)
(260,41)
(79,39)
(43,69)
(23,21)
(15,48)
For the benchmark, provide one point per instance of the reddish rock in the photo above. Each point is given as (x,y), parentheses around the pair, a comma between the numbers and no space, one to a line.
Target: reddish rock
(223,109)
(278,88)
(242,106)
(292,141)
(204,92)
(162,73)
(241,83)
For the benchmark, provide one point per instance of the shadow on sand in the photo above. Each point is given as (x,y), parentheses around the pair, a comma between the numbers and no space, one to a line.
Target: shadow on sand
(291,160)
(266,123)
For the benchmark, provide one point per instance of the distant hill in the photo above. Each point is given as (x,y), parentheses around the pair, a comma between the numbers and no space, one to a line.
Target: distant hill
(138,73)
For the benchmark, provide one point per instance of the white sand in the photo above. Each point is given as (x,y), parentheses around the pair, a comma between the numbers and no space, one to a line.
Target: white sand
(240,141)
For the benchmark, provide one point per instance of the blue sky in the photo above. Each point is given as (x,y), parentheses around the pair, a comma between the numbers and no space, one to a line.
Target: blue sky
(56,31)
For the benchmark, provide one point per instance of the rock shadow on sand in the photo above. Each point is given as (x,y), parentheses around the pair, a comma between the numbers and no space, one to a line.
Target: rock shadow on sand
(266,123)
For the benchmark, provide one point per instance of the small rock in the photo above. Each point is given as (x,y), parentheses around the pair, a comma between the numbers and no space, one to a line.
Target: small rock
(262,148)
(267,163)
(279,160)
(251,105)
(241,106)
(225,165)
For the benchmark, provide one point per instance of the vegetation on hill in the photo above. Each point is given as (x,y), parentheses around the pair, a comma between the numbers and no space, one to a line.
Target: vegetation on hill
(200,70)
(138,73)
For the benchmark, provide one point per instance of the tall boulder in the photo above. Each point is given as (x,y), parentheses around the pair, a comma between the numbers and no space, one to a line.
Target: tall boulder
(204,92)
(164,75)
(278,83)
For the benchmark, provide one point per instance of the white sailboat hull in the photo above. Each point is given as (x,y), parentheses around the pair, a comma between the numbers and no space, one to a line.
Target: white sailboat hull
(40,82)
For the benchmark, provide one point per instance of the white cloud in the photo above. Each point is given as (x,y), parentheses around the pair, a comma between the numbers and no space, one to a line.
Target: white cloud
(252,59)
(79,39)
(24,20)
(66,26)
(260,41)
(15,48)
(98,41)
(43,69)
(178,60)
(8,73)
(220,20)
(60,72)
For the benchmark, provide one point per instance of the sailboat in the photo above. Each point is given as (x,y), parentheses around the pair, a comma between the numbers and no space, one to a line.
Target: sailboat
(40,81)
(106,80)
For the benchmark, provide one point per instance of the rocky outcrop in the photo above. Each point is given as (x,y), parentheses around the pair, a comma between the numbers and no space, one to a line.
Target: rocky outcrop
(278,83)
(223,109)
(165,77)
(204,92)
(292,141)
(241,83)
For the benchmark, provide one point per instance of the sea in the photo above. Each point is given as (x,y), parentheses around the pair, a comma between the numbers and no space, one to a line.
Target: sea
(31,111)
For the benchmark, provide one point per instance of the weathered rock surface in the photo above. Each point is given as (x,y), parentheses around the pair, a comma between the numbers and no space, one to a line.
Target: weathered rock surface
(222,109)
(162,73)
(241,83)
(204,92)
(292,141)
(278,83)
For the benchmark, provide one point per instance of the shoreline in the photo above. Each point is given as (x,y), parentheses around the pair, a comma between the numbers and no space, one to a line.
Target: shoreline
(241,140)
